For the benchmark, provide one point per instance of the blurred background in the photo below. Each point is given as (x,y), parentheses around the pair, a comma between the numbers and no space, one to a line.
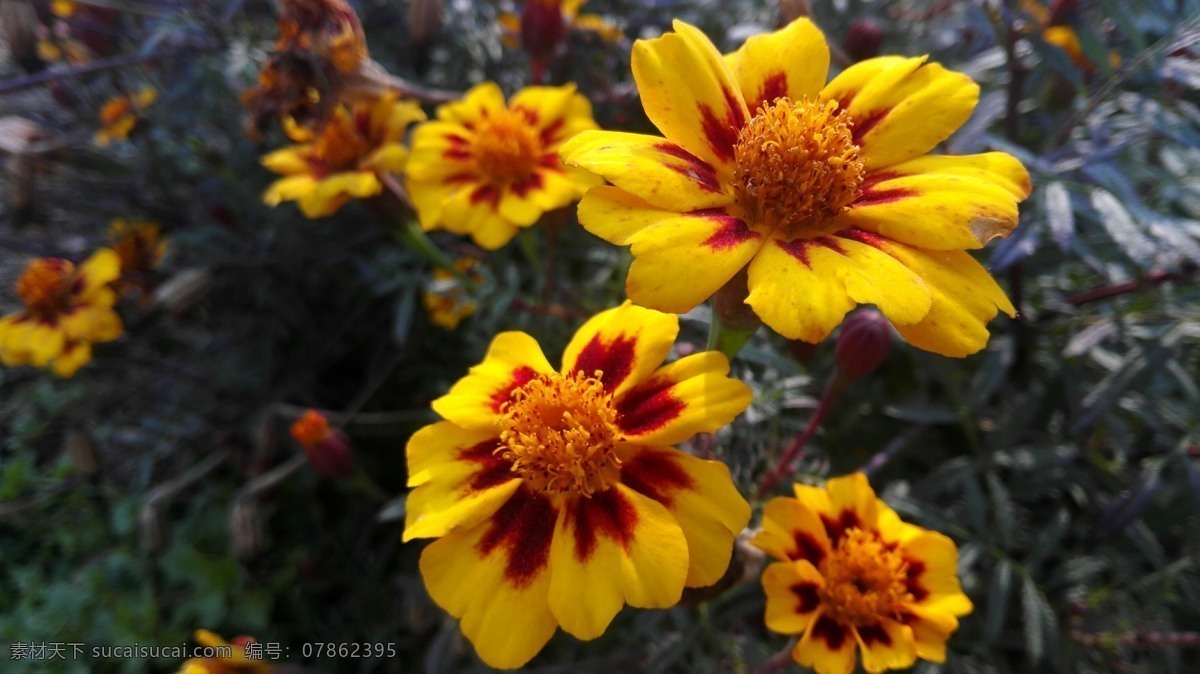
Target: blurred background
(158,491)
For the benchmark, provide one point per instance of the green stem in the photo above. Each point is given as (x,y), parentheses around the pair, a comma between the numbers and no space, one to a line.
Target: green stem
(416,239)
(725,338)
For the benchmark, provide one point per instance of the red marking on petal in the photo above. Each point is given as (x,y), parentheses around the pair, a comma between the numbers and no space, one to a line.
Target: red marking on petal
(733,232)
(531,116)
(655,475)
(456,139)
(494,470)
(457,154)
(520,377)
(864,124)
(696,169)
(830,631)
(807,547)
(798,248)
(836,528)
(614,360)
(913,580)
(863,236)
(523,527)
(486,194)
(648,407)
(874,634)
(775,86)
(551,161)
(524,187)
(722,133)
(875,197)
(607,513)
(550,133)
(362,123)
(873,179)
(460,178)
(807,594)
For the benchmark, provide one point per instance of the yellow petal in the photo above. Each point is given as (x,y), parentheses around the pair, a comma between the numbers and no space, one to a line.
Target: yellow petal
(791,62)
(289,189)
(74,356)
(792,591)
(887,645)
(621,346)
(287,161)
(692,395)
(827,647)
(901,107)
(792,530)
(475,401)
(94,324)
(482,97)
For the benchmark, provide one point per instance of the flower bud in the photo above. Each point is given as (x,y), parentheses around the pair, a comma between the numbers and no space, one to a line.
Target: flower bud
(327,449)
(863,39)
(863,344)
(543,28)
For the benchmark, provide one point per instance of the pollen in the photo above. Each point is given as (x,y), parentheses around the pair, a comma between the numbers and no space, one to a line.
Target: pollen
(864,579)
(796,164)
(45,285)
(560,433)
(506,148)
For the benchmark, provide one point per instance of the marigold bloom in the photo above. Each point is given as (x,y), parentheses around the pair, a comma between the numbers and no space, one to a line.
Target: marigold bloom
(556,497)
(853,576)
(824,193)
(140,247)
(345,158)
(487,168)
(235,663)
(120,115)
(67,309)
(446,299)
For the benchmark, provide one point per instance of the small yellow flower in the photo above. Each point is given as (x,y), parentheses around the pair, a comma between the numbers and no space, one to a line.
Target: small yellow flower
(446,299)
(853,576)
(487,168)
(121,113)
(345,158)
(235,662)
(822,192)
(63,8)
(67,309)
(140,247)
(556,496)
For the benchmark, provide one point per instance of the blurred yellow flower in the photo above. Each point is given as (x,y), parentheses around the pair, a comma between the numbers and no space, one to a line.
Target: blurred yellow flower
(67,309)
(345,158)
(140,246)
(824,194)
(853,576)
(487,168)
(1066,39)
(121,113)
(446,299)
(63,8)
(556,496)
(236,662)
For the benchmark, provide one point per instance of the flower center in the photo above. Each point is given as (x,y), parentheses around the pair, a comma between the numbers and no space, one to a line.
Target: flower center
(797,163)
(506,147)
(864,580)
(344,141)
(560,433)
(45,284)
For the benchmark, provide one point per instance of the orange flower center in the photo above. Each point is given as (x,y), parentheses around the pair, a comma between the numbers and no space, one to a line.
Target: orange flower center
(864,579)
(116,109)
(506,147)
(343,142)
(560,433)
(45,285)
(797,163)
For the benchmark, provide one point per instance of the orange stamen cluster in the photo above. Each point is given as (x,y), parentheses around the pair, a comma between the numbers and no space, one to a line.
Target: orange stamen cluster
(865,580)
(341,145)
(506,147)
(797,163)
(45,285)
(560,433)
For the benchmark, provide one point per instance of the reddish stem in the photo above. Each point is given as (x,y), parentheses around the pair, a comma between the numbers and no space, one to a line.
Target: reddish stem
(795,448)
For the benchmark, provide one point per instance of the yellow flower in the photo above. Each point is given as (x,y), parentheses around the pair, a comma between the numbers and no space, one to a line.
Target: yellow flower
(445,299)
(234,660)
(487,168)
(67,309)
(852,576)
(63,8)
(140,247)
(121,113)
(345,158)
(556,497)
(823,193)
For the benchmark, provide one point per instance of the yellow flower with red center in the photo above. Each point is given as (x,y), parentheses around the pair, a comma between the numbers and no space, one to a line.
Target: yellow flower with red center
(67,309)
(823,193)
(446,298)
(853,576)
(236,662)
(556,497)
(140,246)
(120,115)
(487,168)
(345,159)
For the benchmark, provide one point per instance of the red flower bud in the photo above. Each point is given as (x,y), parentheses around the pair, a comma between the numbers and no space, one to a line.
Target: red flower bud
(543,27)
(863,344)
(863,39)
(327,449)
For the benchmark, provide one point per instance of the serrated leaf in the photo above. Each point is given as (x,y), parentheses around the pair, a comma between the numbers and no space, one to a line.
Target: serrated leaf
(1121,227)
(1060,218)
(1040,621)
(1002,509)
(997,602)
